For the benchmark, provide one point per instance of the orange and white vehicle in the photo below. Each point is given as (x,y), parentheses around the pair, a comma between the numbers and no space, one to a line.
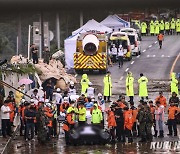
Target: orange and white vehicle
(134,40)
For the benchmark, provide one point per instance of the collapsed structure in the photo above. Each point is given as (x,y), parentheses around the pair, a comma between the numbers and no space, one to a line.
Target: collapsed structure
(55,69)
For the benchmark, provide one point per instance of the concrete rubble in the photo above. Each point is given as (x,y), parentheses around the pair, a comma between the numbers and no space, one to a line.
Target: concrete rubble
(54,69)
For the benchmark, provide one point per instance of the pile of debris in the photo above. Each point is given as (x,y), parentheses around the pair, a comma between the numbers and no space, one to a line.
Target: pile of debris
(54,69)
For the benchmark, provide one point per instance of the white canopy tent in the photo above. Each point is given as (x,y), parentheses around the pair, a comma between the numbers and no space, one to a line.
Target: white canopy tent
(70,42)
(126,23)
(70,49)
(93,25)
(113,22)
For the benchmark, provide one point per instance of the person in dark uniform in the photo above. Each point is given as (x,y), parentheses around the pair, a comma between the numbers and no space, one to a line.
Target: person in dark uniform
(34,52)
(46,55)
(120,123)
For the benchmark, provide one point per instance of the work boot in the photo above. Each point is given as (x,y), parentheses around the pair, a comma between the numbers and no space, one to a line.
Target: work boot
(113,141)
(170,134)
(143,140)
(155,135)
(130,140)
(161,132)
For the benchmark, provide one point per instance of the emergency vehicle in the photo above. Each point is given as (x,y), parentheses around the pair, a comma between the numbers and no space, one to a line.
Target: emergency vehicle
(134,40)
(121,38)
(91,52)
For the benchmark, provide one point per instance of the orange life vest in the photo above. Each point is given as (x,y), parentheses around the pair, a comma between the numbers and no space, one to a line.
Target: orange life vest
(69,121)
(172,111)
(111,119)
(128,120)
(11,106)
(160,37)
(162,100)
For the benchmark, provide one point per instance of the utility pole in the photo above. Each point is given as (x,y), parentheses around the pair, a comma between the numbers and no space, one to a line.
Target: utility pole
(58,30)
(19,38)
(41,34)
(81,18)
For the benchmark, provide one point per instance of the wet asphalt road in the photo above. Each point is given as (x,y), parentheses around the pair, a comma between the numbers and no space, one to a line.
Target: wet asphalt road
(155,64)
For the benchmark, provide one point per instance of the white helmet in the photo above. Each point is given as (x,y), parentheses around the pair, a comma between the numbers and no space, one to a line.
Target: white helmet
(48,104)
(23,100)
(90,84)
(46,101)
(99,95)
(32,100)
(58,89)
(65,99)
(71,83)
(41,88)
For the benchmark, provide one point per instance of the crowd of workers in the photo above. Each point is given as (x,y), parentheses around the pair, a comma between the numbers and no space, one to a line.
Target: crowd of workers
(40,115)
(155,27)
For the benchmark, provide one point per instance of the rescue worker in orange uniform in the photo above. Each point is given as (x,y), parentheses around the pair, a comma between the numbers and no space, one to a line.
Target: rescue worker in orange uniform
(128,124)
(12,114)
(119,121)
(111,122)
(12,106)
(152,109)
(172,125)
(134,111)
(64,106)
(24,106)
(121,102)
(161,99)
(49,114)
(68,125)
(160,38)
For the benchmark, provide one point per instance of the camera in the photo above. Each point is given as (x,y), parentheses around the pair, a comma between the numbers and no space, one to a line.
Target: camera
(36,31)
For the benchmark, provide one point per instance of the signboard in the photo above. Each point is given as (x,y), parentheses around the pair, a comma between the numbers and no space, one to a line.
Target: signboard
(37,36)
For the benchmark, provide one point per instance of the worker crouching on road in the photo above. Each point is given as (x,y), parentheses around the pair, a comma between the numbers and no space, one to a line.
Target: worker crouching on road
(172,124)
(111,122)
(68,125)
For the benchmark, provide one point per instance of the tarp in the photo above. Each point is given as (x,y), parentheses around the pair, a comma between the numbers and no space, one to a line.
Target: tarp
(70,42)
(70,49)
(113,22)
(93,25)
(126,23)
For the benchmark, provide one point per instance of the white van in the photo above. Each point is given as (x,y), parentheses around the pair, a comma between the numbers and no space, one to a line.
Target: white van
(134,40)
